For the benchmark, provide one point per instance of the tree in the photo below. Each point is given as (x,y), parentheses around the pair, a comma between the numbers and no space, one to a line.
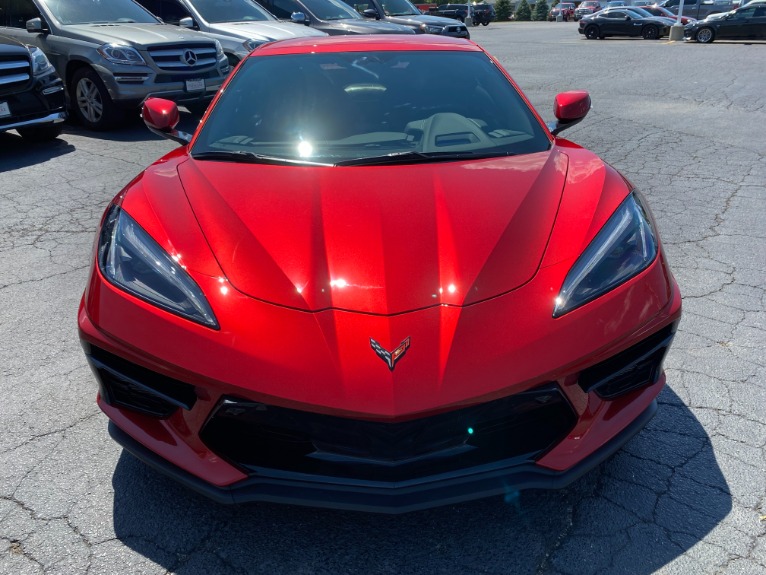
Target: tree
(523,11)
(541,11)
(503,10)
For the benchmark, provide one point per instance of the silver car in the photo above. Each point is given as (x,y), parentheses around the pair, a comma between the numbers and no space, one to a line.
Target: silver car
(239,25)
(113,55)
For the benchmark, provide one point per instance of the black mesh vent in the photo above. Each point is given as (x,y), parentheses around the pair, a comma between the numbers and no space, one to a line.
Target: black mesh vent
(254,435)
(636,367)
(125,384)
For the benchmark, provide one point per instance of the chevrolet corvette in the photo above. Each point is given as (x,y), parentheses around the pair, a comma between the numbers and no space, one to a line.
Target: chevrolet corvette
(362,284)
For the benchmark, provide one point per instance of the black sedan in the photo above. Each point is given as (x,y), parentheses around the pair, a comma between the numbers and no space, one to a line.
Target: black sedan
(623,21)
(746,23)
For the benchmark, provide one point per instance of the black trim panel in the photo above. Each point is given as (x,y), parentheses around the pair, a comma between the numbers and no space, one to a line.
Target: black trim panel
(379,497)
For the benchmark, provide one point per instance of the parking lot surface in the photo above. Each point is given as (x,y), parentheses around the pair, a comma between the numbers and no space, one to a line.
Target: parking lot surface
(684,122)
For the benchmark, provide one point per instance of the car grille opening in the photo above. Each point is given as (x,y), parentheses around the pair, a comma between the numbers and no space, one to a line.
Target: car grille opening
(15,73)
(636,367)
(127,385)
(184,58)
(257,436)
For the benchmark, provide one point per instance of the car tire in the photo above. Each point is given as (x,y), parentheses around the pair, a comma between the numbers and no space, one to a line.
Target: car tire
(92,103)
(591,32)
(650,33)
(705,35)
(41,133)
(485,23)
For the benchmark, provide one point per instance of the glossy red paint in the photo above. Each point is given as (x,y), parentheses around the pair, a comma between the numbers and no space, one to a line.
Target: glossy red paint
(572,105)
(312,241)
(160,114)
(302,266)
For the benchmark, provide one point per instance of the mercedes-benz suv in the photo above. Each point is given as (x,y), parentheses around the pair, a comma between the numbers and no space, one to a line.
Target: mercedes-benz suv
(31,94)
(114,55)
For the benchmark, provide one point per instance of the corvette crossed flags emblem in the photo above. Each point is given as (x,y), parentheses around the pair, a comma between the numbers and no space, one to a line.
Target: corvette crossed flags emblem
(390,357)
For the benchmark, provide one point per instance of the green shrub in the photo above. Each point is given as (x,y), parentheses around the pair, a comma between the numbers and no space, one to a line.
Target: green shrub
(541,11)
(503,10)
(523,11)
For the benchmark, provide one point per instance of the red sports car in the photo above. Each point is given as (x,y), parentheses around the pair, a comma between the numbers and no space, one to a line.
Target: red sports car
(361,284)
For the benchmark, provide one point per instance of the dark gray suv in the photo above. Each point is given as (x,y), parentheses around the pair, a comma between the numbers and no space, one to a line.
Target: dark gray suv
(113,54)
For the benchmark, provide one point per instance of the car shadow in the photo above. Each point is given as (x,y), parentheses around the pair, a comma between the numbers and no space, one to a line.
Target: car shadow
(643,508)
(16,152)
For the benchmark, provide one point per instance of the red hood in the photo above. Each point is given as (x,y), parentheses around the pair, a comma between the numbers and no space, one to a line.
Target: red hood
(380,240)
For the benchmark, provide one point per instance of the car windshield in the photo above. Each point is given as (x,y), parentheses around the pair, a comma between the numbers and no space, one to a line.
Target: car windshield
(217,11)
(640,12)
(369,107)
(98,12)
(331,10)
(399,8)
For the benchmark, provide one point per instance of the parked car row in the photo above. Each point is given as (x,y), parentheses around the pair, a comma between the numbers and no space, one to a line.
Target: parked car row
(652,22)
(112,56)
(695,9)
(624,21)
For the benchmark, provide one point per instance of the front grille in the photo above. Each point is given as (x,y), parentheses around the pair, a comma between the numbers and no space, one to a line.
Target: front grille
(15,72)
(184,57)
(256,436)
(636,367)
(130,386)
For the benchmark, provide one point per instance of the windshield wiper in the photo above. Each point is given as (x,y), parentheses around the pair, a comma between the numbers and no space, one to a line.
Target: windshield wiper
(420,158)
(244,157)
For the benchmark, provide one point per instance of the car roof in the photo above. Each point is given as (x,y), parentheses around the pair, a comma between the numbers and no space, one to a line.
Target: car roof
(363,43)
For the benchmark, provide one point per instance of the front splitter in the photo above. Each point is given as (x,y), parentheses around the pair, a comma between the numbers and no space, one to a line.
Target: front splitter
(274,486)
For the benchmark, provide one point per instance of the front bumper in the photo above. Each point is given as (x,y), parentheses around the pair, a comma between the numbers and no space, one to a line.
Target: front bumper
(499,478)
(40,104)
(605,359)
(131,86)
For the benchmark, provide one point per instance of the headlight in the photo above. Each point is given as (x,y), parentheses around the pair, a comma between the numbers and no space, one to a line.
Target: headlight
(625,246)
(120,54)
(251,44)
(130,259)
(218,50)
(40,63)
(431,29)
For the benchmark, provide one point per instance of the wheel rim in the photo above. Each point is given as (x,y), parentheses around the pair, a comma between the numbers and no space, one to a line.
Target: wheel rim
(651,33)
(704,35)
(89,100)
(591,33)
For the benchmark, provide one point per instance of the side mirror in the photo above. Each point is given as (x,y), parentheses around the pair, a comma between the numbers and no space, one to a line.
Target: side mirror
(187,22)
(370,13)
(569,108)
(299,18)
(35,26)
(161,117)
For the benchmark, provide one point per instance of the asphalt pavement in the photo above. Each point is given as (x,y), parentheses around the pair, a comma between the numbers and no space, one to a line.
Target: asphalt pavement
(684,122)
